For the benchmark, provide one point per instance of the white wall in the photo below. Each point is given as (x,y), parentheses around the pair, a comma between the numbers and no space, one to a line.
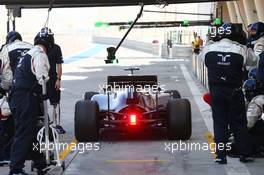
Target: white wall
(77,24)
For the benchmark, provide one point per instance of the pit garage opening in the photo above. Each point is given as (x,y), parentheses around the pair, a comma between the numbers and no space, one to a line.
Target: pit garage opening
(144,112)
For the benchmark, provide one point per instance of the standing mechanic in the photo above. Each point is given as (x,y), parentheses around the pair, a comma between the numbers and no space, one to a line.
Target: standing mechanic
(257,35)
(15,49)
(54,84)
(12,52)
(29,76)
(226,61)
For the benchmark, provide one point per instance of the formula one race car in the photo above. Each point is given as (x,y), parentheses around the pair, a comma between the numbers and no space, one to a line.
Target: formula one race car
(132,102)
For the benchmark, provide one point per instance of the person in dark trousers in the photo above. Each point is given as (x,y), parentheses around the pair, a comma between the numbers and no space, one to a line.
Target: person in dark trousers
(169,46)
(25,103)
(54,93)
(225,61)
(11,53)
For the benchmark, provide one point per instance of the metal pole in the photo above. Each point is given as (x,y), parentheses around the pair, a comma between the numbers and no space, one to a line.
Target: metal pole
(138,16)
(217,14)
(44,92)
(221,8)
(14,24)
(8,23)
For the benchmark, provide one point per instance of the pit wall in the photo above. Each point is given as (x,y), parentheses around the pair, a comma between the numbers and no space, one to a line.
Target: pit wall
(200,70)
(177,51)
(131,44)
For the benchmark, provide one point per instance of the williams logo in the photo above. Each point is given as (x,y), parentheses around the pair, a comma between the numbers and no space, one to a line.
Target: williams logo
(223,60)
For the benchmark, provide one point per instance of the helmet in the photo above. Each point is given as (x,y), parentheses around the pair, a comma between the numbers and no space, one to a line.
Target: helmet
(46,38)
(249,87)
(256,30)
(252,74)
(234,32)
(12,36)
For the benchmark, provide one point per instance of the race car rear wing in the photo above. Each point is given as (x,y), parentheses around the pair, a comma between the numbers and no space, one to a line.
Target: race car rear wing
(136,80)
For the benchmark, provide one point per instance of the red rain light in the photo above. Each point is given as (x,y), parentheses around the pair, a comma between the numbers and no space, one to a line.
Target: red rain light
(133,119)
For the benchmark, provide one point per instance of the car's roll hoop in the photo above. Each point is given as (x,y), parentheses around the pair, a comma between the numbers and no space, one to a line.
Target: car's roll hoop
(132,69)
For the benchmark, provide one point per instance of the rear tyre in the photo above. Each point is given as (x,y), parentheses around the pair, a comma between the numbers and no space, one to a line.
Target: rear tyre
(86,121)
(89,95)
(179,119)
(174,93)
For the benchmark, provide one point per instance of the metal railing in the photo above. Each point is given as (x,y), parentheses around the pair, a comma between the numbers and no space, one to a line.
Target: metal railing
(200,70)
(177,51)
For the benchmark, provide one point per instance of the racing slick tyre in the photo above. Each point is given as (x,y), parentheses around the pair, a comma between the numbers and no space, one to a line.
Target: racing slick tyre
(89,95)
(179,119)
(86,121)
(174,93)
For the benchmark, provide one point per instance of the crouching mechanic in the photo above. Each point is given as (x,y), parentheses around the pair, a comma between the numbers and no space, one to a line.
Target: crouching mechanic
(256,125)
(255,122)
(25,103)
(226,61)
(12,52)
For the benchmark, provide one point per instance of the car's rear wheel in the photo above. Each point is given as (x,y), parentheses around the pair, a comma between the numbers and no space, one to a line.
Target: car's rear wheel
(89,95)
(174,93)
(179,119)
(86,121)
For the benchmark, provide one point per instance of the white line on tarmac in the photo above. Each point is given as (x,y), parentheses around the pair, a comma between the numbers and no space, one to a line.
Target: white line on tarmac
(68,77)
(234,166)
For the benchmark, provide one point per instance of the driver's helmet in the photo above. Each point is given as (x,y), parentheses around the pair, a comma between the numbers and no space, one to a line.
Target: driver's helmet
(249,88)
(252,74)
(257,30)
